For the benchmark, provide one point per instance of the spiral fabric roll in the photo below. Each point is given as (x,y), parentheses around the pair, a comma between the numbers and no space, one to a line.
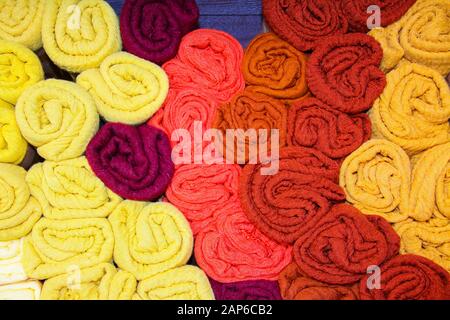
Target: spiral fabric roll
(13,146)
(134,162)
(150,238)
(58,117)
(70,190)
(56,246)
(127,89)
(28,290)
(273,67)
(376,179)
(20,68)
(344,244)
(19,211)
(78,34)
(343,71)
(414,109)
(246,290)
(11,269)
(152,29)
(313,124)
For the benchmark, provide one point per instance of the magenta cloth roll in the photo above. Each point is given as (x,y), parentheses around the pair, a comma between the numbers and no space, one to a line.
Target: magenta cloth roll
(246,290)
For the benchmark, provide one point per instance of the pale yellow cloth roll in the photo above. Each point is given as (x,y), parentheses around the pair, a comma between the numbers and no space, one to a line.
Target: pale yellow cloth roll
(13,146)
(11,268)
(28,290)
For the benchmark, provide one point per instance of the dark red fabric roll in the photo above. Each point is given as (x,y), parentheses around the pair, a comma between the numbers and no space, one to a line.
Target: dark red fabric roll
(246,290)
(343,244)
(343,71)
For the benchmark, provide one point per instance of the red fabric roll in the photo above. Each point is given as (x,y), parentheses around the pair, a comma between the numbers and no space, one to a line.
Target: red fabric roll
(341,247)
(343,71)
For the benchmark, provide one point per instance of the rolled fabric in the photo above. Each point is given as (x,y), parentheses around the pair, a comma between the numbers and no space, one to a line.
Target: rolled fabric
(200,191)
(134,162)
(414,109)
(376,179)
(152,29)
(304,23)
(13,146)
(246,290)
(208,61)
(344,244)
(183,283)
(409,277)
(311,123)
(28,290)
(150,238)
(56,246)
(294,285)
(58,117)
(421,36)
(286,205)
(70,190)
(343,71)
(273,67)
(78,34)
(11,269)
(20,68)
(127,89)
(19,211)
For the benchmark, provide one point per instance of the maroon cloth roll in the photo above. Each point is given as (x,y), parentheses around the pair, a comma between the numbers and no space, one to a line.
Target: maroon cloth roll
(246,290)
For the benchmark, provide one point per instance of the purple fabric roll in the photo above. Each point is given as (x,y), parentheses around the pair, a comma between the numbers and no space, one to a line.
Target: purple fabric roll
(152,29)
(134,162)
(246,290)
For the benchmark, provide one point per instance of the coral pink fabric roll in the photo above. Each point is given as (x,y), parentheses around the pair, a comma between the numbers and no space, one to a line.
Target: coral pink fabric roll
(246,290)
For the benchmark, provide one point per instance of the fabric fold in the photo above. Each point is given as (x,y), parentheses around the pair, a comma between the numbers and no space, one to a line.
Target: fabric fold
(13,146)
(27,290)
(11,268)
(246,290)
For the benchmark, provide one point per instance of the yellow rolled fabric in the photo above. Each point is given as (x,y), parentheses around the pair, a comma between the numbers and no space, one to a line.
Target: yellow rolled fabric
(58,117)
(70,190)
(19,211)
(376,180)
(13,146)
(56,246)
(183,283)
(11,269)
(126,88)
(414,109)
(78,34)
(21,22)
(28,290)
(422,36)
(150,238)
(20,68)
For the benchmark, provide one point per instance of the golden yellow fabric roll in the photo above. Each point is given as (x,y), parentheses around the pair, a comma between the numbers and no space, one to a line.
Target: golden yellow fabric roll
(100,282)
(376,180)
(150,238)
(19,211)
(183,283)
(56,246)
(11,269)
(13,146)
(422,36)
(28,290)
(414,109)
(20,68)
(21,22)
(78,34)
(126,88)
(70,190)
(58,117)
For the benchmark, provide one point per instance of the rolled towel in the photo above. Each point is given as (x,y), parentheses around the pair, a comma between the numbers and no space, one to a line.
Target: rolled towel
(11,269)
(294,285)
(409,277)
(152,29)
(421,36)
(56,246)
(78,34)
(232,249)
(58,117)
(275,68)
(20,68)
(414,109)
(19,211)
(134,162)
(343,71)
(311,123)
(126,88)
(246,290)
(150,238)
(70,190)
(183,283)
(28,290)
(344,244)
(286,205)
(13,146)
(376,180)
